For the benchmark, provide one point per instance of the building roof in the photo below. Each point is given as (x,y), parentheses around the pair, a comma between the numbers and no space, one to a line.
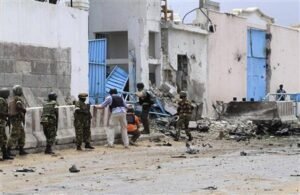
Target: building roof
(240,11)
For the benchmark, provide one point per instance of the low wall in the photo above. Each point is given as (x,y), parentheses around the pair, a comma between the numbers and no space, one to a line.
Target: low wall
(66,133)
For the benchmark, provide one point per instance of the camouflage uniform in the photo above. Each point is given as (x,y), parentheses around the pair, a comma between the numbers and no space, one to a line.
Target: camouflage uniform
(17,111)
(49,120)
(3,121)
(185,111)
(82,122)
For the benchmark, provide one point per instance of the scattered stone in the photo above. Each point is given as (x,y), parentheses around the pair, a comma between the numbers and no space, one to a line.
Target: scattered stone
(73,169)
(298,145)
(1,170)
(207,144)
(191,150)
(243,153)
(179,156)
(297,175)
(210,188)
(25,170)
(167,144)
(158,167)
(193,125)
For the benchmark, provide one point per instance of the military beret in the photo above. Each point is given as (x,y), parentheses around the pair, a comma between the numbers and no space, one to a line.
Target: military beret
(83,95)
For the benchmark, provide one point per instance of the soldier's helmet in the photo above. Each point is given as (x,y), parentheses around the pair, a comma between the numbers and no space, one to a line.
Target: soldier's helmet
(83,95)
(17,90)
(182,94)
(130,108)
(52,96)
(4,93)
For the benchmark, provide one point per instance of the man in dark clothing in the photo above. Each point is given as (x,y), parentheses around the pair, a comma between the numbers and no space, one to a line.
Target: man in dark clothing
(4,118)
(146,103)
(280,97)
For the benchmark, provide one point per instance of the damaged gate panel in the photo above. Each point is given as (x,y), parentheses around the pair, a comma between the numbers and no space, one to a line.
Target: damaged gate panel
(97,70)
(256,65)
(117,79)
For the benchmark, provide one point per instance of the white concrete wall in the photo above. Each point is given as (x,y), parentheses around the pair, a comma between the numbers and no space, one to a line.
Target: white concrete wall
(227,59)
(42,24)
(192,42)
(285,59)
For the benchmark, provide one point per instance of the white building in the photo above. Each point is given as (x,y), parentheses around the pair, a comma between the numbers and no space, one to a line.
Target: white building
(132,30)
(44,47)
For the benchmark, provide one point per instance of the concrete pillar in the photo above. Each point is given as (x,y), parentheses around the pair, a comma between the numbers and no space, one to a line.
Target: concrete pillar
(138,41)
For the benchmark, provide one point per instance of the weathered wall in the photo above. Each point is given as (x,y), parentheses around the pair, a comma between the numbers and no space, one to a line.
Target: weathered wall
(44,46)
(285,59)
(40,69)
(227,59)
(192,42)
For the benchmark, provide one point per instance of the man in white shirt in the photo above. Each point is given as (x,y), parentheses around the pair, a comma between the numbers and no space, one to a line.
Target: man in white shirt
(118,117)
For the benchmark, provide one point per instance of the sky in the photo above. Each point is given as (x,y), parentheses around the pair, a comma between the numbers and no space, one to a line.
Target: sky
(285,12)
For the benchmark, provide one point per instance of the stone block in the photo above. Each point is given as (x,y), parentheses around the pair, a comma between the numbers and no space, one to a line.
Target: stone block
(193,125)
(63,68)
(63,81)
(60,97)
(30,97)
(41,67)
(39,81)
(63,55)
(12,79)
(10,50)
(7,66)
(23,67)
(2,79)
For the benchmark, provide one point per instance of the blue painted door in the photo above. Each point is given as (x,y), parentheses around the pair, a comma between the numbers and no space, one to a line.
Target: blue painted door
(97,70)
(256,64)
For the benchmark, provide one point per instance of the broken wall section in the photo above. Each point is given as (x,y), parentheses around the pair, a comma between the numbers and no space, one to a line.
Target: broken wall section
(185,60)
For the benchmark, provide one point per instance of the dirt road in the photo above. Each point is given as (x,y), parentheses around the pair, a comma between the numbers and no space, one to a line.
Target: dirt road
(269,166)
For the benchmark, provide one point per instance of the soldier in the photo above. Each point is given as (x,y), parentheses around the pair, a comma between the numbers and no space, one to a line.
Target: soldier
(82,122)
(4,93)
(49,121)
(184,111)
(17,111)
(146,101)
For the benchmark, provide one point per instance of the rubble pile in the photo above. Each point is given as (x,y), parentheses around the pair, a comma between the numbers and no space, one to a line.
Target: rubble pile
(232,130)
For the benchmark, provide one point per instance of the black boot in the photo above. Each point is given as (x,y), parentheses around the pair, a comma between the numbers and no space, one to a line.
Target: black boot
(190,138)
(8,151)
(78,148)
(22,151)
(49,150)
(5,156)
(88,146)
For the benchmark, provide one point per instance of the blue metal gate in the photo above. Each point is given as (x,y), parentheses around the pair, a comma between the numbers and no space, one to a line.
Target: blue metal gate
(97,70)
(256,64)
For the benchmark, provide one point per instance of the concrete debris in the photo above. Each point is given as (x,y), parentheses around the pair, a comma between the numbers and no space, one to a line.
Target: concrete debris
(193,125)
(170,108)
(191,150)
(242,153)
(297,175)
(73,169)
